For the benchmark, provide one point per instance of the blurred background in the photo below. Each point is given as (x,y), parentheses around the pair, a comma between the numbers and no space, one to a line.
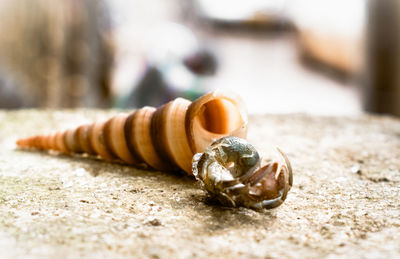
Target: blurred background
(331,57)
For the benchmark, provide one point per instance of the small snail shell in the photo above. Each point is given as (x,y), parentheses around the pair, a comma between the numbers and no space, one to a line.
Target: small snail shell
(165,138)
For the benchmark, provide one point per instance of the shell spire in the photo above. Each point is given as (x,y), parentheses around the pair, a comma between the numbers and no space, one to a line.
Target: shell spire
(164,138)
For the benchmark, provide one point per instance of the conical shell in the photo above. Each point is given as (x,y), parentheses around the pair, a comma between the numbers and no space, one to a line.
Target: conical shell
(165,138)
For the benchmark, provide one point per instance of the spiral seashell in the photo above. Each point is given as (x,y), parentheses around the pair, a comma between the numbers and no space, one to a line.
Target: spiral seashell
(165,138)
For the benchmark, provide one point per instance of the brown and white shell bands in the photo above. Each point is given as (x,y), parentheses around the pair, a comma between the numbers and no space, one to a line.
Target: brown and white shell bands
(165,138)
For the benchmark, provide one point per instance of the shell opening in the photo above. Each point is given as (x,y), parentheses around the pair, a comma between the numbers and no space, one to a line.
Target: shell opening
(219,116)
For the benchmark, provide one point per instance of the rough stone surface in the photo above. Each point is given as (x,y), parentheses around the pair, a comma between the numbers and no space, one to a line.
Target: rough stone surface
(345,200)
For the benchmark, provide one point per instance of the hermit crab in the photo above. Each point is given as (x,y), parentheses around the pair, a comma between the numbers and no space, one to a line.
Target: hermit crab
(231,171)
(168,137)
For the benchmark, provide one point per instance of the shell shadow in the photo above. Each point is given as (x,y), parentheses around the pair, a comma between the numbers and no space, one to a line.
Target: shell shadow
(96,166)
(224,218)
(220,217)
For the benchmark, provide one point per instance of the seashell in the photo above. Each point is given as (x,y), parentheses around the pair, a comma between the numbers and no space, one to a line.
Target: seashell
(164,138)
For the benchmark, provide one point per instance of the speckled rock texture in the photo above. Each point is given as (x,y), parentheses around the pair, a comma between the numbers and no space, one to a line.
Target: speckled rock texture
(345,200)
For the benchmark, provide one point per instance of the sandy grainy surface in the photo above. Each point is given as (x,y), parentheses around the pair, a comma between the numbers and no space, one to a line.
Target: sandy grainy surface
(345,200)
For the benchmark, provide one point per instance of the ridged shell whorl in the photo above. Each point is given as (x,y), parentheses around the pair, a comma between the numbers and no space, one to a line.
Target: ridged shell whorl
(165,138)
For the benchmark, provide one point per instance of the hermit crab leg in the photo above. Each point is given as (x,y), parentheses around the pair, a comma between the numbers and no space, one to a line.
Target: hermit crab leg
(273,203)
(288,178)
(260,174)
(289,166)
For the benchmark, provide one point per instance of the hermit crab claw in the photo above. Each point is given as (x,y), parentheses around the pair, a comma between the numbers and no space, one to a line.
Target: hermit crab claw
(231,170)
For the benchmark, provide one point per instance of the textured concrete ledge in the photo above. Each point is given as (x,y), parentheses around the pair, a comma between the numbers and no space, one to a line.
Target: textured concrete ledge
(345,200)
